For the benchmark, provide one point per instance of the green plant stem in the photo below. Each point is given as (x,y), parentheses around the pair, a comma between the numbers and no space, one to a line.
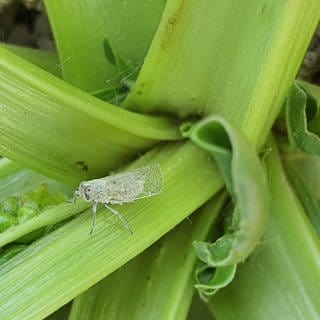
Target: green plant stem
(280,279)
(190,179)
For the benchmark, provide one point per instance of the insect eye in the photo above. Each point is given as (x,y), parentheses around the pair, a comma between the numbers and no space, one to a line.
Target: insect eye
(87,191)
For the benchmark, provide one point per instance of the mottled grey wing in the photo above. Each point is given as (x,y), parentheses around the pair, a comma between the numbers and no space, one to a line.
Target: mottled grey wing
(135,184)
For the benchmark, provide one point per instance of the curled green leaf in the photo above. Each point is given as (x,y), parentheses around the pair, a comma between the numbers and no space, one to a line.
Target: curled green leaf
(211,279)
(245,180)
(301,108)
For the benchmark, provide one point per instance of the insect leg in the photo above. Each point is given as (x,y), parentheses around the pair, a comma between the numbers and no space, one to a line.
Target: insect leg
(120,216)
(94,211)
(75,196)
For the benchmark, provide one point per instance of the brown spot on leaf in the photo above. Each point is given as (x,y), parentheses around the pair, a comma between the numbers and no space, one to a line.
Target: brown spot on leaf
(82,165)
(171,25)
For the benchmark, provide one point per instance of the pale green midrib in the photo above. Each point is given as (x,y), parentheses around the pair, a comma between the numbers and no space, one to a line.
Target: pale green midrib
(152,127)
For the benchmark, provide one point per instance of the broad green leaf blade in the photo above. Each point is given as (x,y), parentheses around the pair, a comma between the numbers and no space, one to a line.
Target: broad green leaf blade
(81,27)
(297,110)
(158,283)
(303,171)
(69,260)
(46,60)
(305,193)
(64,133)
(245,179)
(231,58)
(279,281)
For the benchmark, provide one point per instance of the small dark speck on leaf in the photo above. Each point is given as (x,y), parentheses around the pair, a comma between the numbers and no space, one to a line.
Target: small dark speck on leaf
(82,165)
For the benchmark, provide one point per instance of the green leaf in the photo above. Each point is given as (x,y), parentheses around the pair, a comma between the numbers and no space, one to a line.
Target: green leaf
(247,187)
(64,133)
(7,221)
(20,232)
(303,171)
(301,108)
(158,282)
(46,60)
(15,180)
(7,167)
(113,57)
(26,213)
(226,58)
(10,205)
(71,247)
(198,310)
(18,210)
(11,251)
(211,279)
(80,29)
(279,280)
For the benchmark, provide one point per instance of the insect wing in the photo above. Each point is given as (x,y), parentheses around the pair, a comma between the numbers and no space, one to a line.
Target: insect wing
(153,181)
(135,184)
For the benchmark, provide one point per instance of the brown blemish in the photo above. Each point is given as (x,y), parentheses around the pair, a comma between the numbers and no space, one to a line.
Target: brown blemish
(82,165)
(264,8)
(171,26)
